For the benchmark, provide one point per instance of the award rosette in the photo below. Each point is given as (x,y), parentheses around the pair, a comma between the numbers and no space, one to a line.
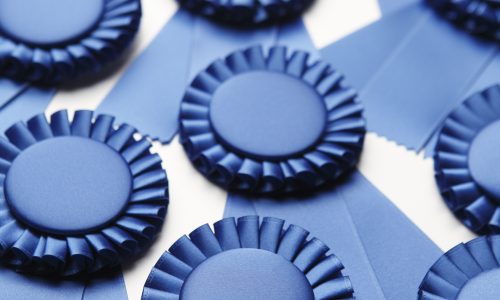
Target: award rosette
(248,260)
(271,124)
(468,271)
(466,154)
(480,17)
(247,12)
(78,196)
(55,40)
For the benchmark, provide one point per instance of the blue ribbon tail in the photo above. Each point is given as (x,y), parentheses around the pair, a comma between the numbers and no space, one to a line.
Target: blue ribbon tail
(109,286)
(149,93)
(427,72)
(26,104)
(15,286)
(385,254)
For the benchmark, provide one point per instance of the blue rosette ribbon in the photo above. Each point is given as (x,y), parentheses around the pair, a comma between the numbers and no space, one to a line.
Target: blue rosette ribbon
(271,123)
(248,260)
(466,154)
(63,40)
(78,196)
(247,12)
(467,271)
(475,16)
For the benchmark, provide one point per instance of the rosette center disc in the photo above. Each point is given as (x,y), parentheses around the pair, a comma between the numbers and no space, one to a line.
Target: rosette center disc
(267,115)
(49,22)
(68,185)
(246,274)
(482,287)
(484,159)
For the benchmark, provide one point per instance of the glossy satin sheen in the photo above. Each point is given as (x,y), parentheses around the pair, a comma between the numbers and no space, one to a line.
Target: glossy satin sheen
(261,114)
(49,22)
(247,12)
(53,198)
(236,274)
(248,260)
(80,196)
(52,41)
(271,122)
(469,271)
(484,153)
(465,155)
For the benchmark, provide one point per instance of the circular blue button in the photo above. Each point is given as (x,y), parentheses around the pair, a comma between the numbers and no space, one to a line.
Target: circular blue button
(484,153)
(262,114)
(52,185)
(246,274)
(482,287)
(49,22)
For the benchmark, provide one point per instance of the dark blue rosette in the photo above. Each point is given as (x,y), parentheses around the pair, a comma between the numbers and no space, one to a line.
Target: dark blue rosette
(480,17)
(248,260)
(466,154)
(78,196)
(271,124)
(468,271)
(247,12)
(63,39)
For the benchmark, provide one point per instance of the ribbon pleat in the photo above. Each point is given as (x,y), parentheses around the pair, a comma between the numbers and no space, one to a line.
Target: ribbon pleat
(431,66)
(385,254)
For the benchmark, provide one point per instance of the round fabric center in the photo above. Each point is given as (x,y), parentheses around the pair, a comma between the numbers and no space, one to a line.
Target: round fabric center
(482,287)
(49,22)
(246,274)
(484,157)
(68,185)
(267,115)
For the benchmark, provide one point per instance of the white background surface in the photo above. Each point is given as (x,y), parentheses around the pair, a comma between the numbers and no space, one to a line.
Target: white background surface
(405,177)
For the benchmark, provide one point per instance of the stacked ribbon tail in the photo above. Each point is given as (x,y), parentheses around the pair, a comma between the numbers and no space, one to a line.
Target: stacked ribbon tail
(435,65)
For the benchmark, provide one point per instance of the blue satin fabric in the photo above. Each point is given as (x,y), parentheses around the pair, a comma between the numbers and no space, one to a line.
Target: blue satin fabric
(29,241)
(464,157)
(247,12)
(149,92)
(385,254)
(419,67)
(467,271)
(324,149)
(28,101)
(39,58)
(107,286)
(248,260)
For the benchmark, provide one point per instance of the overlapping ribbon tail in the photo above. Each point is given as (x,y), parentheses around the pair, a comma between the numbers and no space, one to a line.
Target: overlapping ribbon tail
(108,286)
(490,76)
(389,6)
(247,13)
(16,286)
(434,65)
(9,90)
(294,35)
(385,253)
(467,271)
(248,260)
(362,53)
(149,92)
(30,102)
(48,228)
